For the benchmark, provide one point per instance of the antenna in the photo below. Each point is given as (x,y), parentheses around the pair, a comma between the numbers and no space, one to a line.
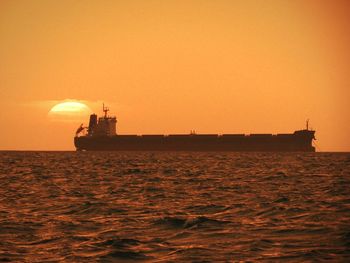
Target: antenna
(307,124)
(105,110)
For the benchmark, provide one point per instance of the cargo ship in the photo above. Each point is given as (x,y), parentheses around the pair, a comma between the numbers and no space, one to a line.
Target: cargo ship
(101,135)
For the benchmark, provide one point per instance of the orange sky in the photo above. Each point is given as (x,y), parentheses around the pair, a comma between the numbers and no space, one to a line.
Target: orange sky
(175,66)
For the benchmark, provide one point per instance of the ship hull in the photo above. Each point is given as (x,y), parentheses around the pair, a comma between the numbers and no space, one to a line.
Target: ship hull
(299,141)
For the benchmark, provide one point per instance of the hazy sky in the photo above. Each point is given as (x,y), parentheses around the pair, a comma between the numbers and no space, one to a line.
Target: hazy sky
(174,66)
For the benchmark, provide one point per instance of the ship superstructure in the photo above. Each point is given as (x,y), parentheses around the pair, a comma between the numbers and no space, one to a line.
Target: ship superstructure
(103,126)
(101,136)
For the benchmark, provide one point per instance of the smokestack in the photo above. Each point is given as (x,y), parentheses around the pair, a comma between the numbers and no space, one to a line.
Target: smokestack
(92,124)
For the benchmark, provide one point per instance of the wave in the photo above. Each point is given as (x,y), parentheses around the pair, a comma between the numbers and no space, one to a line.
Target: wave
(173,207)
(187,222)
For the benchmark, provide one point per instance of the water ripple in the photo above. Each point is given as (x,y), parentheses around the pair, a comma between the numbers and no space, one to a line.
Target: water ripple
(174,207)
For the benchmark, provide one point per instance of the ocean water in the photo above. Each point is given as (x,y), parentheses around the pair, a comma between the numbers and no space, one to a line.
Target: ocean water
(174,207)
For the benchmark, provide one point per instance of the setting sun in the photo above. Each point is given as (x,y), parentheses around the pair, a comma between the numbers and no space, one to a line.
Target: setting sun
(69,111)
(69,107)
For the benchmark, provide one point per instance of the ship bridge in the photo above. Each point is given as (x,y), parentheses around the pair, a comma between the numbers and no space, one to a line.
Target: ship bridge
(103,126)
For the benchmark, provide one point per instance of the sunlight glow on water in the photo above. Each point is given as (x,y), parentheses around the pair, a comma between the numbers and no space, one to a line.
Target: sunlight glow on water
(91,206)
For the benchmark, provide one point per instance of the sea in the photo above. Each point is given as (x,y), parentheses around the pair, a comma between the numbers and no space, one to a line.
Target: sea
(174,207)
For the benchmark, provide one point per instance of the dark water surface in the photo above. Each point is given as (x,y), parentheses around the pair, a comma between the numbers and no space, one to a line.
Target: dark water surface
(174,207)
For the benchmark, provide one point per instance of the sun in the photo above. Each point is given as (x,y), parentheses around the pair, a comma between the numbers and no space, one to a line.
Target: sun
(69,107)
(69,110)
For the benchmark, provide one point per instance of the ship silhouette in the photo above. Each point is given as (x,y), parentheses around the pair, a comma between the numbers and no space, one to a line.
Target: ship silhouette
(101,135)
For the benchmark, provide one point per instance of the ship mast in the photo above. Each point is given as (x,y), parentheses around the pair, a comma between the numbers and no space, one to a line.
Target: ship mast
(105,109)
